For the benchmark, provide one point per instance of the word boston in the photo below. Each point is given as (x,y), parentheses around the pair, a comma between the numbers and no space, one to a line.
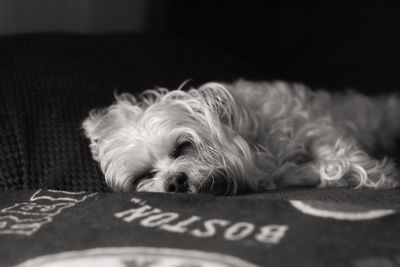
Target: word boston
(172,222)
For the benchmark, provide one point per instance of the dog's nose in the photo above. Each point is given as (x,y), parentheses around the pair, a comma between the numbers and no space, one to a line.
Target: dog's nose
(178,183)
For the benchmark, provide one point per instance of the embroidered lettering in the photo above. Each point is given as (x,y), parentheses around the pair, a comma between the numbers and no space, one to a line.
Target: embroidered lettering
(209,227)
(159,219)
(171,222)
(239,231)
(271,233)
(133,214)
(181,227)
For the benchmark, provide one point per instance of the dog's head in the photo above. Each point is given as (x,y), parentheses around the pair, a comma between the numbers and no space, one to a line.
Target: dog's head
(176,141)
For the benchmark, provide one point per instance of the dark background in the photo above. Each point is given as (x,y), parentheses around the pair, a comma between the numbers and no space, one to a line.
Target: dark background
(335,44)
(332,44)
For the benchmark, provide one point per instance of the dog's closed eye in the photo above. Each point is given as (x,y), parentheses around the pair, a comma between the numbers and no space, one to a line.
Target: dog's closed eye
(148,175)
(145,176)
(181,149)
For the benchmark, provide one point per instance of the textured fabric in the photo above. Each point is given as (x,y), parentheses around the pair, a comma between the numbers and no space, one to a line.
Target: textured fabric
(49,82)
(340,228)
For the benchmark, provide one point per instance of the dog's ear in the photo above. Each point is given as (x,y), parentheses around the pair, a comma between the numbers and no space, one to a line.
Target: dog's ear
(229,108)
(104,122)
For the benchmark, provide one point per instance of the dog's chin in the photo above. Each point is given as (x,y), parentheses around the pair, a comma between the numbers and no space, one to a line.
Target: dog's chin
(207,186)
(153,185)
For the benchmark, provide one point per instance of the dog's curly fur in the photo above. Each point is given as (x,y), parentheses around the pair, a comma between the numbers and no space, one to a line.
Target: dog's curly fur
(245,137)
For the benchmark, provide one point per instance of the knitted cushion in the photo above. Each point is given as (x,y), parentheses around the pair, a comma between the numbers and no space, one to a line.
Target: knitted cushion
(49,82)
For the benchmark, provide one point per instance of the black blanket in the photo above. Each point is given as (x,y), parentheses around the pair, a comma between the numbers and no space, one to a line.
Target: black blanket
(48,84)
(334,227)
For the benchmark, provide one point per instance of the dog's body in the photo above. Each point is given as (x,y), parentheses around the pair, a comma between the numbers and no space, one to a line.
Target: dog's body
(245,137)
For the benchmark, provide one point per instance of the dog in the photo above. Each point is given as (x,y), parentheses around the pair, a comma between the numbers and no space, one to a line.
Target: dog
(245,137)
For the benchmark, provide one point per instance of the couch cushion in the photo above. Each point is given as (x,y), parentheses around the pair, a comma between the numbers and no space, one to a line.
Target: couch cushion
(49,82)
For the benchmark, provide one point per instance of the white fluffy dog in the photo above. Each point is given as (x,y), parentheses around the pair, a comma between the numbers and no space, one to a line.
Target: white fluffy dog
(245,137)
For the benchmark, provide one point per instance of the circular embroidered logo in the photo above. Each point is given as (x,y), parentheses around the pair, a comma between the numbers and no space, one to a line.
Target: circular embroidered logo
(136,257)
(339,211)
